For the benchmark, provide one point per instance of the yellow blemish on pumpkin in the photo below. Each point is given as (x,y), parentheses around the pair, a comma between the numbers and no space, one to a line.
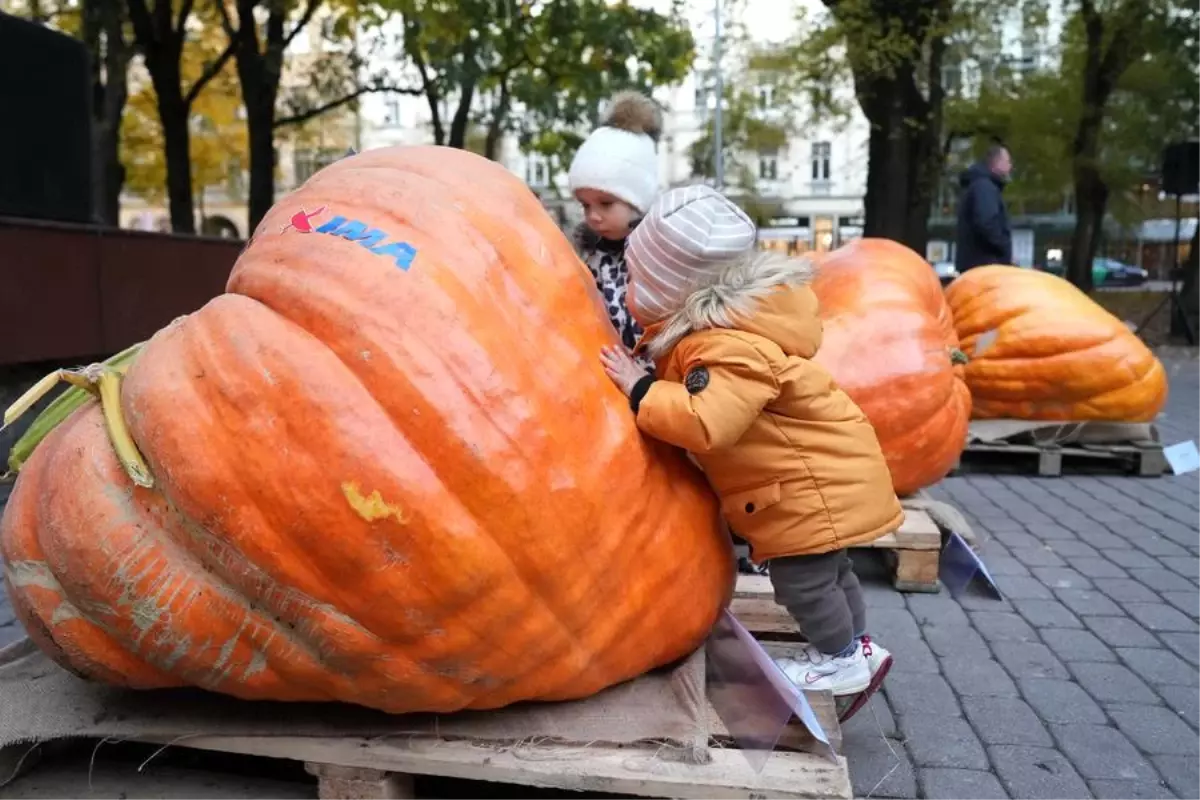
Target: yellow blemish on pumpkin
(372,506)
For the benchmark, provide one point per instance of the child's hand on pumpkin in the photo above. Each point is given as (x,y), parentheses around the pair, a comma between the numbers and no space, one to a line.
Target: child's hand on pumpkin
(621,367)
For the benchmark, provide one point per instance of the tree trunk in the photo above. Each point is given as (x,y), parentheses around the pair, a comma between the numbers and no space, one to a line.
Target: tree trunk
(461,121)
(495,131)
(173,114)
(108,61)
(260,129)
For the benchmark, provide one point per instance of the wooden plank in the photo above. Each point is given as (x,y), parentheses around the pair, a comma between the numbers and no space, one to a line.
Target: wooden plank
(596,768)
(919,532)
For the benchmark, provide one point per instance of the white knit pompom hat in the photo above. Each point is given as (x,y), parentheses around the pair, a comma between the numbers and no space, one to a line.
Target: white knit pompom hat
(620,156)
(688,238)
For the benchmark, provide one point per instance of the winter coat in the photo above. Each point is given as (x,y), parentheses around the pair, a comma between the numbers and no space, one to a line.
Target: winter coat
(983,236)
(797,465)
(605,259)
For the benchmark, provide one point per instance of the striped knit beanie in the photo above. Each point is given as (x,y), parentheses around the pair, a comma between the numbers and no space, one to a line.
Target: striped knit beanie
(684,243)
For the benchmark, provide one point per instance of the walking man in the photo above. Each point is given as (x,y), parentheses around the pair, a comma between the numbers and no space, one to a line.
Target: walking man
(983,236)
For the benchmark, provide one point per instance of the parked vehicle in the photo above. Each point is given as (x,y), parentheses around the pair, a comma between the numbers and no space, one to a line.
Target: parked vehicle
(1105,272)
(945,271)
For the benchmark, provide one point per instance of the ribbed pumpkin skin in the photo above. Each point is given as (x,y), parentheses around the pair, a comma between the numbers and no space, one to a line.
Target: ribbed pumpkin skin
(888,340)
(411,490)
(1040,349)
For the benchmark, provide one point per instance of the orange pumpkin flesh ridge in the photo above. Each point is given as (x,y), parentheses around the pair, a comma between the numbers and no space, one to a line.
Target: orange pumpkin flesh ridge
(413,490)
(1040,349)
(888,341)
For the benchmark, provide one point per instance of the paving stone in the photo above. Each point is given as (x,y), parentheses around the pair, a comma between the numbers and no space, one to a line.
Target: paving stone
(1016,586)
(975,677)
(1040,556)
(1187,602)
(1004,566)
(1186,565)
(1030,660)
(1160,617)
(1185,645)
(1131,559)
(937,609)
(1125,590)
(1129,790)
(934,741)
(1003,626)
(881,595)
(893,622)
(1036,772)
(1097,568)
(1180,773)
(1159,546)
(910,654)
(10,634)
(1120,632)
(1061,701)
(1018,538)
(1155,730)
(1160,580)
(1156,665)
(1100,538)
(1047,614)
(975,599)
(1070,549)
(1184,701)
(879,767)
(1100,751)
(921,694)
(1050,532)
(955,784)
(873,719)
(1089,603)
(1112,683)
(956,642)
(1072,645)
(1005,720)
(1061,578)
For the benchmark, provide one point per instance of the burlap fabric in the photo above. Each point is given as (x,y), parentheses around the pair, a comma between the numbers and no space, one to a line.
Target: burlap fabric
(40,702)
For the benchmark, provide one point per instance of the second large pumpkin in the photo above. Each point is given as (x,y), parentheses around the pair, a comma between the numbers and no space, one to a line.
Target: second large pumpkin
(890,344)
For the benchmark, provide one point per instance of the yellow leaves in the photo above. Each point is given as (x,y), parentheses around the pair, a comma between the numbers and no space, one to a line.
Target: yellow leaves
(218,146)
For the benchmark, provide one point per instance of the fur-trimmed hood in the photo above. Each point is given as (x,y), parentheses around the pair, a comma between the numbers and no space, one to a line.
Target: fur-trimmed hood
(764,293)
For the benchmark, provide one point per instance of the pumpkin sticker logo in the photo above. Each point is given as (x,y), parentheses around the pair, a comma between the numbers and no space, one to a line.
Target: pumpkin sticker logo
(352,230)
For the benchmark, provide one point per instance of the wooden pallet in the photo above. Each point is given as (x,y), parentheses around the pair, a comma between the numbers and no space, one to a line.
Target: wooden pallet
(353,767)
(1144,459)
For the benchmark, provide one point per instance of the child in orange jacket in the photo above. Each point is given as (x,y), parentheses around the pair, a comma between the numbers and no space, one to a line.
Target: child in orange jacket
(795,462)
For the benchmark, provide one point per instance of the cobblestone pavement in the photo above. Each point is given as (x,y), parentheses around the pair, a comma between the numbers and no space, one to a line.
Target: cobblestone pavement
(1082,682)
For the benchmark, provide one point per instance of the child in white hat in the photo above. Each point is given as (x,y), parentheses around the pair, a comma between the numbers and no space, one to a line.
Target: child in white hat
(615,177)
(795,462)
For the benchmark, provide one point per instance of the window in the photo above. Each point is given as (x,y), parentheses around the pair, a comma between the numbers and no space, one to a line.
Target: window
(701,97)
(821,153)
(766,97)
(768,166)
(392,111)
(537,170)
(307,163)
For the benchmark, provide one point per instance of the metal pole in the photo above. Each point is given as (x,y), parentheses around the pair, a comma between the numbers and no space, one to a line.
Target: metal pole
(718,145)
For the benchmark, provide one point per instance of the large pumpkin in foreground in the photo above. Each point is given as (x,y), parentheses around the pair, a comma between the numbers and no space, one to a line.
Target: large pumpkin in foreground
(1040,349)
(890,344)
(388,469)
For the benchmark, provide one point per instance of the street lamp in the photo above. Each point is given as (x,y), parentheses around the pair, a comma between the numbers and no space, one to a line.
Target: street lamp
(718,155)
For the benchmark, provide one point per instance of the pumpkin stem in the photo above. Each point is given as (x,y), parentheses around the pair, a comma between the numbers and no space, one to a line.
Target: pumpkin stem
(82,388)
(958,356)
(109,385)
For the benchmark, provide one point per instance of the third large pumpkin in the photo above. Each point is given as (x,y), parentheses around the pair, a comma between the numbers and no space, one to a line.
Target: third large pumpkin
(889,341)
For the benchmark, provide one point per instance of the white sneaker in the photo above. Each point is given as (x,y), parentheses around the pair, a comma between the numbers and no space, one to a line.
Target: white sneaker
(812,669)
(876,655)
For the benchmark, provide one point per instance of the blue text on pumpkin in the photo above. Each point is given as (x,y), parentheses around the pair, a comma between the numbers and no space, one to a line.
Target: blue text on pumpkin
(402,253)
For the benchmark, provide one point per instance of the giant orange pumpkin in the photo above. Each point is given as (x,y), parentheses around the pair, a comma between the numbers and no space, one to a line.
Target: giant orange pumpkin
(387,469)
(890,344)
(1040,349)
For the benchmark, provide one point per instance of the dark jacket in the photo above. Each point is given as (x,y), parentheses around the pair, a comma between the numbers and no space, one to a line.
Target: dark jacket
(983,234)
